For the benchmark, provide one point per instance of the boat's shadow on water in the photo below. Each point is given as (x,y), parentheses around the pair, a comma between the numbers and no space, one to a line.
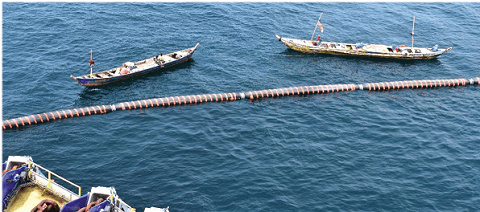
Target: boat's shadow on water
(93,95)
(359,60)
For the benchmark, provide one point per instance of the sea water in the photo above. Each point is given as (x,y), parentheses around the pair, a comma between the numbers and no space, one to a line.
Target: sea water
(400,150)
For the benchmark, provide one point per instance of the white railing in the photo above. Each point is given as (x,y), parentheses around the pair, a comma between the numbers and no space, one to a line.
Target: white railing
(54,187)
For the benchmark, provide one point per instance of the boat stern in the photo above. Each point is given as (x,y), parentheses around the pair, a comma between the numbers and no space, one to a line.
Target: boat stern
(80,80)
(439,52)
(192,50)
(448,49)
(26,187)
(90,82)
(278,37)
(17,161)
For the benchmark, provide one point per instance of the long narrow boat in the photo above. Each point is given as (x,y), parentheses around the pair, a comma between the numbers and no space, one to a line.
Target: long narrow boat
(26,188)
(134,69)
(361,49)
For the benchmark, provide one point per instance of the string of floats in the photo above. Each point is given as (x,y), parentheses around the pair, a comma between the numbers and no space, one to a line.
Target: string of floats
(220,97)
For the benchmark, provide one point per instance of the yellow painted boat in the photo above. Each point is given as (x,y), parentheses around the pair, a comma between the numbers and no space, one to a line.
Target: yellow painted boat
(362,50)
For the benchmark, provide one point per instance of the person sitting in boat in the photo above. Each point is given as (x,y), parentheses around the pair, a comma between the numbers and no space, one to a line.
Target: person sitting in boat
(160,58)
(90,205)
(319,38)
(6,170)
(46,205)
(124,71)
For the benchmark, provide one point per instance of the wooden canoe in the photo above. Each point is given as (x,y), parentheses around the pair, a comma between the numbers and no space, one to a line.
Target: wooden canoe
(363,50)
(134,69)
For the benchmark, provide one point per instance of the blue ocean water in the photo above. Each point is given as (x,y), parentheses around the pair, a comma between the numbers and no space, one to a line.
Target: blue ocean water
(406,150)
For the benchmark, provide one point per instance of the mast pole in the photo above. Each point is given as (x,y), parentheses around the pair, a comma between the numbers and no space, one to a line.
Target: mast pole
(413,29)
(316,25)
(91,62)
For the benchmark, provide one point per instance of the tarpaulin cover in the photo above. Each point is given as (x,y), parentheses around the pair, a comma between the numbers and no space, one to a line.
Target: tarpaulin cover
(9,183)
(75,205)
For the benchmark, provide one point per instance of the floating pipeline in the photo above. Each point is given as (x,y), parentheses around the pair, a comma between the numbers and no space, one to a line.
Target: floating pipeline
(176,100)
(56,115)
(204,98)
(131,105)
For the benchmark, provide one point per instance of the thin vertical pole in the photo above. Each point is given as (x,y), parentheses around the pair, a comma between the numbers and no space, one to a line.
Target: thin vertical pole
(49,184)
(316,25)
(91,58)
(413,29)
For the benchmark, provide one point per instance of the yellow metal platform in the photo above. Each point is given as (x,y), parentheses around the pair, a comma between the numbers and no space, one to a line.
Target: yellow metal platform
(29,197)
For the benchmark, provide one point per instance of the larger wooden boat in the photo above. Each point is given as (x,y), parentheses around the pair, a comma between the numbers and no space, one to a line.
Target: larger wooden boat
(26,188)
(362,49)
(134,69)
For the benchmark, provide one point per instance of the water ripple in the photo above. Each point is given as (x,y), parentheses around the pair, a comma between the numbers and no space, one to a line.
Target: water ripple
(405,150)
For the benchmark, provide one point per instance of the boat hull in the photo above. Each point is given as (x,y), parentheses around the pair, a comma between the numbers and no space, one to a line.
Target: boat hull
(26,188)
(94,82)
(307,46)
